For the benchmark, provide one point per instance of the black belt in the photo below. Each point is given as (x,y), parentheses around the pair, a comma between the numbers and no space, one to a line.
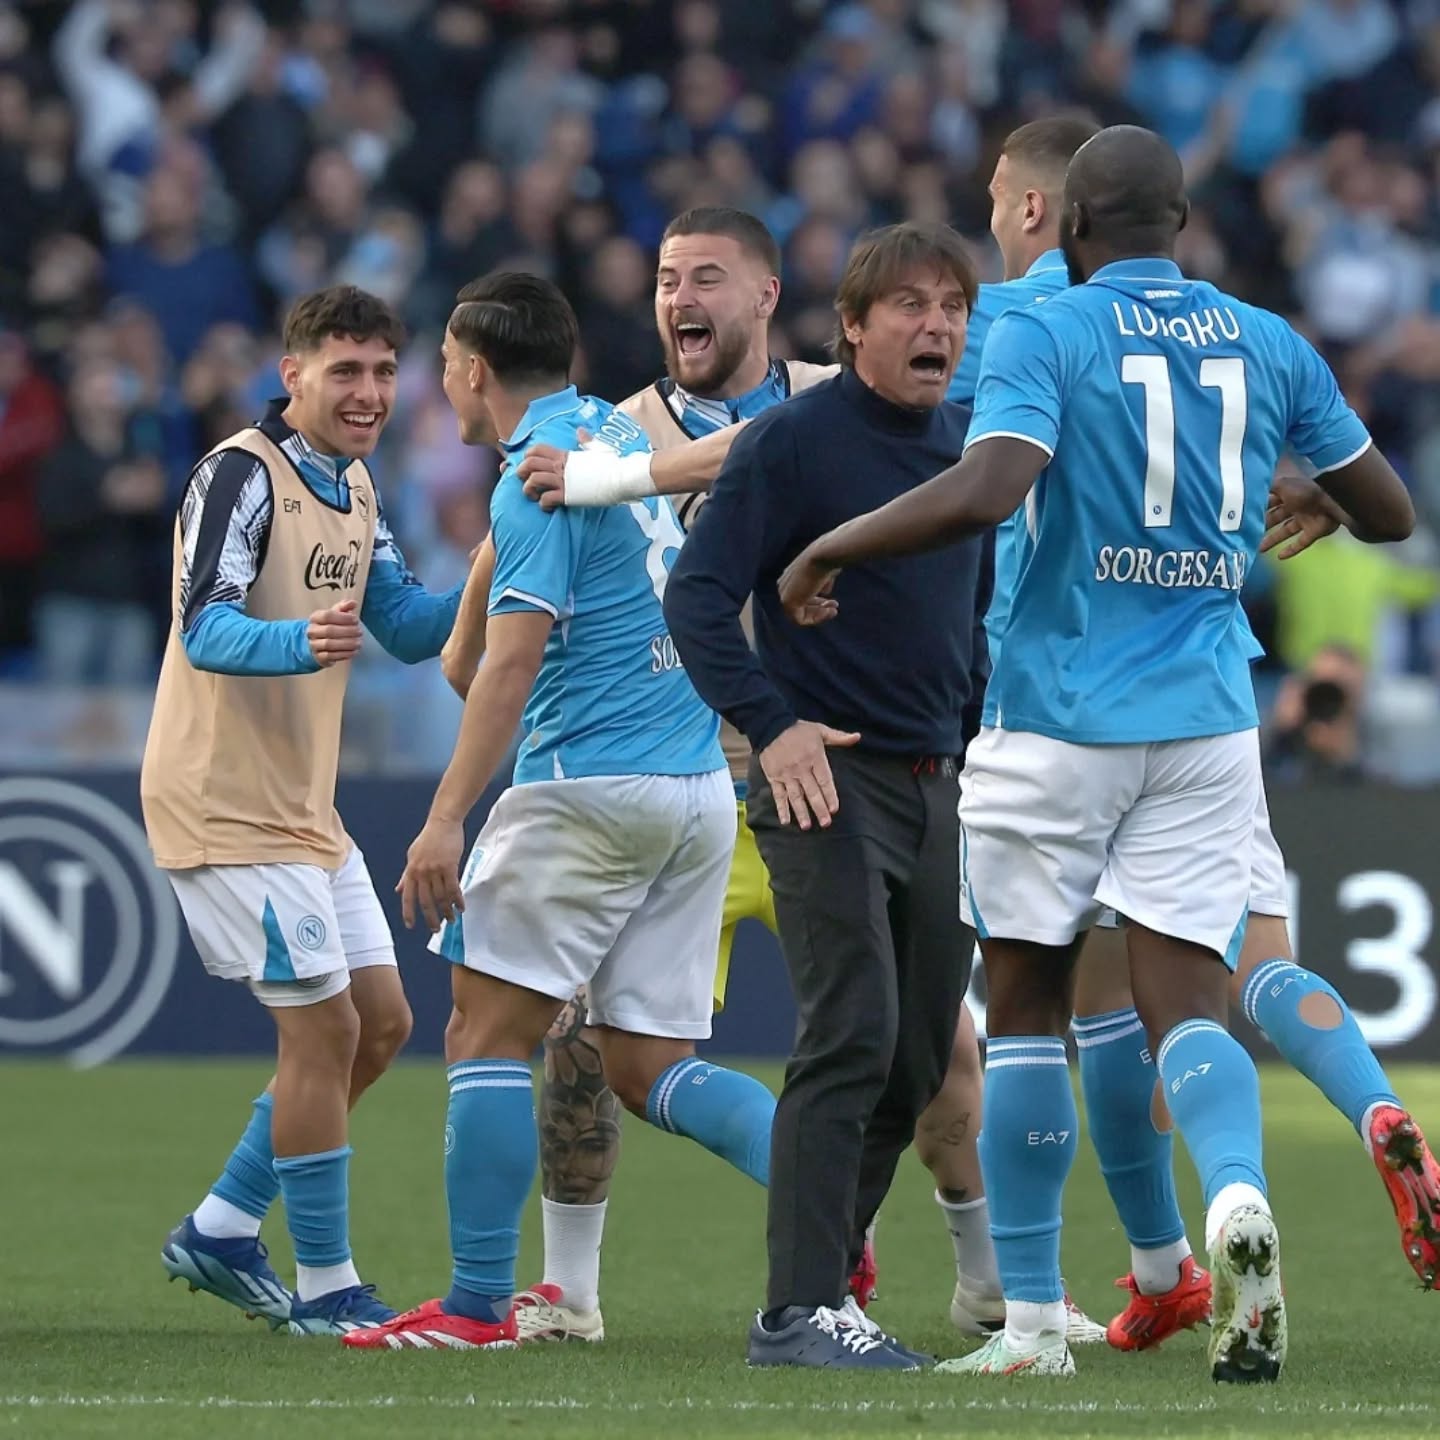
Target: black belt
(934,765)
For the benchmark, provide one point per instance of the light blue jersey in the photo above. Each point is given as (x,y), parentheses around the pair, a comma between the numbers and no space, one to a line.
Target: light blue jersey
(611,697)
(1164,405)
(1046,277)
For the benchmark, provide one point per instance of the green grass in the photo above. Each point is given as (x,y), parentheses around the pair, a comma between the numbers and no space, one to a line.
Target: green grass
(95,1167)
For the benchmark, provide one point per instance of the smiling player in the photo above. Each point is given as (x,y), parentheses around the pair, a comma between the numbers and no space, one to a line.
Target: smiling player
(281,553)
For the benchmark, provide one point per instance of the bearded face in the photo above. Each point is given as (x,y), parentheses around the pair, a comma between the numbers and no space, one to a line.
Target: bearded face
(713,301)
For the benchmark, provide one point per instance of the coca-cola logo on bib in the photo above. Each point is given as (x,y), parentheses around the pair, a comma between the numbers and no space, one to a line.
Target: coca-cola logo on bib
(333,569)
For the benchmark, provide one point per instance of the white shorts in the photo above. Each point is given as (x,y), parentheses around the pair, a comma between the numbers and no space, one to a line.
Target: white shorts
(1269,884)
(1053,832)
(292,933)
(616,883)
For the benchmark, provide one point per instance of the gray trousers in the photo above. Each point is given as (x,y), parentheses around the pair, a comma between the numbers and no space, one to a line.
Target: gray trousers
(879,961)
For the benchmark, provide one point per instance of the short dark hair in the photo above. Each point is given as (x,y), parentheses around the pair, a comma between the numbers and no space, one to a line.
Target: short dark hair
(520,324)
(881,259)
(751,233)
(1048,145)
(1126,191)
(341,310)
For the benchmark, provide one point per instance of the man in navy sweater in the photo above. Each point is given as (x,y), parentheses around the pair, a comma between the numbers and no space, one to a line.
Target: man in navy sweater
(858,729)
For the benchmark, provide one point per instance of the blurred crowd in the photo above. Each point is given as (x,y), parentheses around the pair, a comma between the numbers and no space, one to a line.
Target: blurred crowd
(175,172)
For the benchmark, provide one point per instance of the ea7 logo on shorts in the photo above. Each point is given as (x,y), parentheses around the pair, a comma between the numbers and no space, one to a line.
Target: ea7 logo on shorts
(1047,1137)
(1203,1068)
(310,932)
(89,930)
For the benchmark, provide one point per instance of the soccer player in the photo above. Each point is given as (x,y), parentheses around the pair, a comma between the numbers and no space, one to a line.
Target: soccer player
(279,523)
(717,284)
(1025,193)
(1122,767)
(1168,1290)
(716,287)
(605,863)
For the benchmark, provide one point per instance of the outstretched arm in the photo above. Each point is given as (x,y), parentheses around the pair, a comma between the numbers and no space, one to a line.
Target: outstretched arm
(600,477)
(988,485)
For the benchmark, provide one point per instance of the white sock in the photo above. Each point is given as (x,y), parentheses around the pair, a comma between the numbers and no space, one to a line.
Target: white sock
(1367,1117)
(1025,1319)
(1158,1270)
(1228,1199)
(572,1250)
(223,1221)
(313,1281)
(969,1226)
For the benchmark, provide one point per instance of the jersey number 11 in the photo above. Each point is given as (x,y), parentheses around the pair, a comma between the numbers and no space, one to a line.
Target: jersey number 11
(1152,372)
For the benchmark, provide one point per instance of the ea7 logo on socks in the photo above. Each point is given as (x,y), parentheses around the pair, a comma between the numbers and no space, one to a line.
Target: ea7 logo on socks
(1047,1137)
(1201,1069)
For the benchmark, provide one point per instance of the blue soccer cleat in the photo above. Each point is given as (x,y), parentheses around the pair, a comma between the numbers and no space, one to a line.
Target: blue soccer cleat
(355,1308)
(234,1270)
(827,1339)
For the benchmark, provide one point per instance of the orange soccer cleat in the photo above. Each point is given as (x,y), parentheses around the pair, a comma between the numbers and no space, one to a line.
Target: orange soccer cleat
(1149,1320)
(1412,1180)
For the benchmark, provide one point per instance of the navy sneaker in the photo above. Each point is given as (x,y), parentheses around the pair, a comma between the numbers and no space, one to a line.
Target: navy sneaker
(823,1339)
(235,1270)
(355,1308)
(850,1313)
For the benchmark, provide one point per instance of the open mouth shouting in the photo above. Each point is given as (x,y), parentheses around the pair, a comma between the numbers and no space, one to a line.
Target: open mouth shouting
(693,338)
(930,365)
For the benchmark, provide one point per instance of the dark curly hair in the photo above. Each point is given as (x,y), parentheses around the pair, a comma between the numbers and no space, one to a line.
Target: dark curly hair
(341,310)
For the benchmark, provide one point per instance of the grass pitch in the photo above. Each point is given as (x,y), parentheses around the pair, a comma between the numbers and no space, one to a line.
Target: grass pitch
(95,1168)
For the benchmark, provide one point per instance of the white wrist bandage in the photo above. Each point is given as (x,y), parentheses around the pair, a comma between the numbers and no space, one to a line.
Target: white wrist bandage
(601,477)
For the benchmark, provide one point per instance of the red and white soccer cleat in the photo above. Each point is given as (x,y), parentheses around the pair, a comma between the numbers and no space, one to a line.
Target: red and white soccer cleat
(430,1327)
(867,1274)
(1150,1320)
(1412,1180)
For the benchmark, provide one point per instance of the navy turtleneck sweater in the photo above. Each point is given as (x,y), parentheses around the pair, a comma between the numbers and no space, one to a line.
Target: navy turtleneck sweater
(904,662)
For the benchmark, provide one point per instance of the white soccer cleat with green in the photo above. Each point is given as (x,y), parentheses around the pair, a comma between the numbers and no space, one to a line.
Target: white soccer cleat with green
(1047,1354)
(1247,1344)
